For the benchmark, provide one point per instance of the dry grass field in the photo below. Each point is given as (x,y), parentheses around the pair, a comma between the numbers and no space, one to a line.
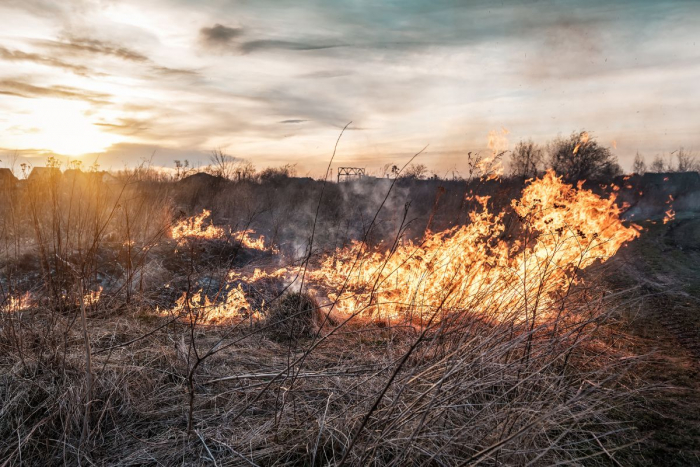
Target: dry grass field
(289,321)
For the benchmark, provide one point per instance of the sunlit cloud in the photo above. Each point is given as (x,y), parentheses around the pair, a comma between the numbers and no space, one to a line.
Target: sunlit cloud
(275,82)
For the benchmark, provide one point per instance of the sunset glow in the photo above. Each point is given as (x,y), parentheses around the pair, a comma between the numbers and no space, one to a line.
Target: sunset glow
(60,126)
(127,80)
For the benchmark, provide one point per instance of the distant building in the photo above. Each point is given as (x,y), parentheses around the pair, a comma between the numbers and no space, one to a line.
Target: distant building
(74,175)
(44,174)
(7,177)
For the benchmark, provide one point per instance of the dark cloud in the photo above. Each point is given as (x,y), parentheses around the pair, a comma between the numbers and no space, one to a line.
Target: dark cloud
(219,35)
(173,72)
(81,46)
(272,44)
(87,47)
(293,121)
(20,56)
(29,91)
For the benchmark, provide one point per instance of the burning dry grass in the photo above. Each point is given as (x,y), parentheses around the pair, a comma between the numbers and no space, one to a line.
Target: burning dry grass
(196,227)
(487,351)
(461,392)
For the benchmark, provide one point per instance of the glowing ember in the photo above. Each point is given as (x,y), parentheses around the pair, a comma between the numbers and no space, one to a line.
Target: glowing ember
(669,214)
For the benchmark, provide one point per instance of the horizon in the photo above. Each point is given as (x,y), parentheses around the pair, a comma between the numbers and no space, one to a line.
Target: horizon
(275,82)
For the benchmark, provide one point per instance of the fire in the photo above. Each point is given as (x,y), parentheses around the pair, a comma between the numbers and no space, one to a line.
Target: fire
(196,227)
(245,239)
(491,167)
(234,307)
(669,214)
(471,268)
(465,269)
(92,297)
(17,303)
(193,227)
(583,139)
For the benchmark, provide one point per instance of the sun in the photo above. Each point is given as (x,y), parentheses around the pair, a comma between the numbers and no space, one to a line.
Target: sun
(60,126)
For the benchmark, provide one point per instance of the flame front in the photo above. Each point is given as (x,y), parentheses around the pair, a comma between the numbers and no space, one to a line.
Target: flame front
(196,227)
(467,269)
(472,268)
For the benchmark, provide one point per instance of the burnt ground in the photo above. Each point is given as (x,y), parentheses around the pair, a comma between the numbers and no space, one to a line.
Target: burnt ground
(664,265)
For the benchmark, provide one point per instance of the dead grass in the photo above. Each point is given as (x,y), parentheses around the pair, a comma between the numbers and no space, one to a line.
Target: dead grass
(131,386)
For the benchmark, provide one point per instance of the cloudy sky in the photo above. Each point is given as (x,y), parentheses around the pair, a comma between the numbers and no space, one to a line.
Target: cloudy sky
(274,81)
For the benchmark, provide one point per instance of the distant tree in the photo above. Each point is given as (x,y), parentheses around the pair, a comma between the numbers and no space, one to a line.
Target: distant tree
(386,169)
(230,167)
(526,160)
(278,173)
(639,167)
(182,169)
(415,172)
(579,157)
(686,161)
(244,170)
(222,165)
(658,164)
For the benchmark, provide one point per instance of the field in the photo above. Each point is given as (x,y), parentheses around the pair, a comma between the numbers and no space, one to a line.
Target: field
(291,321)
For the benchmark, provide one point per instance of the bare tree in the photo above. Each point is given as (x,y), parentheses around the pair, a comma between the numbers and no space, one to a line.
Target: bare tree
(526,160)
(222,165)
(415,172)
(244,170)
(686,161)
(658,164)
(278,173)
(639,167)
(182,169)
(579,157)
(386,169)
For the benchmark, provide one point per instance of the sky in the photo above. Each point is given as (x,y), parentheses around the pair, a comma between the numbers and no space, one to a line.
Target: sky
(274,81)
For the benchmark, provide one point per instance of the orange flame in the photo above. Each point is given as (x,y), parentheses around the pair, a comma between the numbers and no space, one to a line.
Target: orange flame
(92,297)
(195,227)
(491,167)
(234,307)
(472,268)
(669,214)
(466,269)
(583,139)
(18,303)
